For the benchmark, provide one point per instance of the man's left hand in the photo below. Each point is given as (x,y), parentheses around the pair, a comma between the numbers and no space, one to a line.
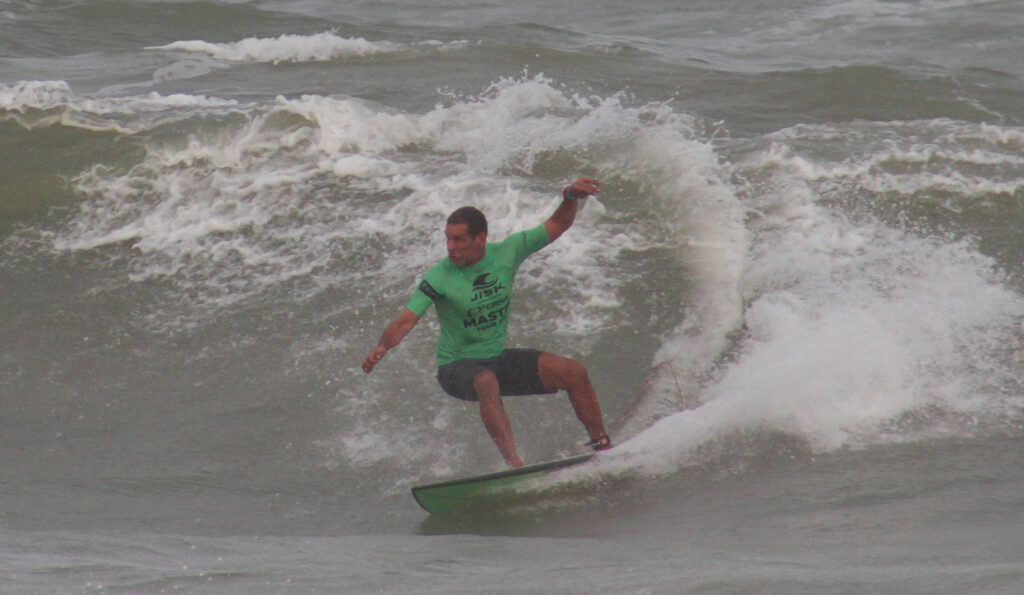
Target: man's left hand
(584,187)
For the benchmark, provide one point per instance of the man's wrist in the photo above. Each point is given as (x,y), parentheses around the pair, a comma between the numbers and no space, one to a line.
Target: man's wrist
(568,195)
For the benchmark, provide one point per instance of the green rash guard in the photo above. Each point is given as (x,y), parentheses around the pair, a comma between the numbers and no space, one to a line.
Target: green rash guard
(473,301)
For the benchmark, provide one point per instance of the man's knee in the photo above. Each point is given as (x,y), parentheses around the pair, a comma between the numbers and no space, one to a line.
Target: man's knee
(575,370)
(561,372)
(485,384)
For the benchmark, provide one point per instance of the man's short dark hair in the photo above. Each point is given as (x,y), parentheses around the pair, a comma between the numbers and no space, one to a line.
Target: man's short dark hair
(470,216)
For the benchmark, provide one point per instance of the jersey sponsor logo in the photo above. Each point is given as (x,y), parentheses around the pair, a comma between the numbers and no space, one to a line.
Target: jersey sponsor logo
(492,300)
(428,290)
(482,320)
(484,287)
(500,304)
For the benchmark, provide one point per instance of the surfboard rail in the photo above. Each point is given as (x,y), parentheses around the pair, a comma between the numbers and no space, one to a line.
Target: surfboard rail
(457,494)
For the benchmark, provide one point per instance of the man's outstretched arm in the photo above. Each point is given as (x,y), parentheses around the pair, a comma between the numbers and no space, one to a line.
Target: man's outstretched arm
(393,335)
(565,214)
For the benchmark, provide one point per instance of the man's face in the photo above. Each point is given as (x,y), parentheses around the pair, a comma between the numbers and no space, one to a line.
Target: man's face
(463,249)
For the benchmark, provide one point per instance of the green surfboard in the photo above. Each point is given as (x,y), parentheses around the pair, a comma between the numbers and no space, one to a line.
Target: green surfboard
(458,494)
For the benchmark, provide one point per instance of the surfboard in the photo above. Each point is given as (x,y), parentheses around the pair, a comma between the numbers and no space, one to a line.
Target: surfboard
(481,490)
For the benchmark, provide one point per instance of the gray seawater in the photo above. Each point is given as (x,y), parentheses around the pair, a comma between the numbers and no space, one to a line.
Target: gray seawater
(800,293)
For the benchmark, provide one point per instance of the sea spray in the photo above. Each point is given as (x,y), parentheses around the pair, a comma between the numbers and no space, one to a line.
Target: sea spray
(852,324)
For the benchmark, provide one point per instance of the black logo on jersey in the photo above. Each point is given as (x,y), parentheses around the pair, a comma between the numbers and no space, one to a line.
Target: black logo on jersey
(484,287)
(483,282)
(428,290)
(482,320)
(488,292)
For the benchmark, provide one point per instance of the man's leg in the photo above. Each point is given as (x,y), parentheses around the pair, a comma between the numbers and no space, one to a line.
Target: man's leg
(569,375)
(495,419)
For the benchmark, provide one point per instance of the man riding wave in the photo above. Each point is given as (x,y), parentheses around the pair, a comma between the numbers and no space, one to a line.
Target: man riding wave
(471,289)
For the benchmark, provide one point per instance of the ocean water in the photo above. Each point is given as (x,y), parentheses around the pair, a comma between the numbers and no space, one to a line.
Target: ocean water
(800,293)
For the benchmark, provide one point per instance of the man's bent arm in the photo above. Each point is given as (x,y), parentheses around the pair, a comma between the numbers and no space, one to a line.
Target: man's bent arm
(393,335)
(565,214)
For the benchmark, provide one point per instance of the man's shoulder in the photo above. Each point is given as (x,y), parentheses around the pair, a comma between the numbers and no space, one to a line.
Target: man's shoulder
(442,273)
(526,241)
(442,266)
(534,232)
(433,281)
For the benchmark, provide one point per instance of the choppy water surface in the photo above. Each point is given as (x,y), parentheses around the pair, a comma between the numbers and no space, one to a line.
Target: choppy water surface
(799,293)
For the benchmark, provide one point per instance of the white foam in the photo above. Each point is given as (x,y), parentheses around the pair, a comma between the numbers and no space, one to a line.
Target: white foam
(300,48)
(227,193)
(852,325)
(40,104)
(835,371)
(962,159)
(47,95)
(24,95)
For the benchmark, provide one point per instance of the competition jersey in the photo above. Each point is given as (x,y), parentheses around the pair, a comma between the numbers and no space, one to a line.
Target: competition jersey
(473,301)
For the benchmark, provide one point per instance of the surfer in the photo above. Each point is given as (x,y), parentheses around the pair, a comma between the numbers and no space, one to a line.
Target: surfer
(472,291)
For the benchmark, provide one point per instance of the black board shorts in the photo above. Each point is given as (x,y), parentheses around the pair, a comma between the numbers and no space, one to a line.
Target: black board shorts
(516,370)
